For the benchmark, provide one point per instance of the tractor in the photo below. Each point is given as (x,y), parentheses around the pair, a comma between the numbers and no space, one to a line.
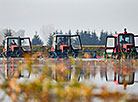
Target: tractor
(121,45)
(65,45)
(17,47)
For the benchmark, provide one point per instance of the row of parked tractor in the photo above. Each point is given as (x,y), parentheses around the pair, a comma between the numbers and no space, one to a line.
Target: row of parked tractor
(121,44)
(63,47)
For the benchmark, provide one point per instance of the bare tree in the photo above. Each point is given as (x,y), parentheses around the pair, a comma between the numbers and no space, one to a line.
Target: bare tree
(45,31)
(9,32)
(20,33)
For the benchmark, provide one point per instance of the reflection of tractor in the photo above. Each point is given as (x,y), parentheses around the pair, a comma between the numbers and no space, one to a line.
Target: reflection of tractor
(121,44)
(65,45)
(123,76)
(17,46)
(11,70)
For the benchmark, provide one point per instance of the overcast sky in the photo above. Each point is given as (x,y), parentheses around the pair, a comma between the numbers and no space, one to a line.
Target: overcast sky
(31,15)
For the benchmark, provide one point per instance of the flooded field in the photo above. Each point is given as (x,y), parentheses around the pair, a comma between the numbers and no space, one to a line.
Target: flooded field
(68,80)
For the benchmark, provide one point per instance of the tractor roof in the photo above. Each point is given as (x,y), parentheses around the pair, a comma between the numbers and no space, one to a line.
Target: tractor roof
(64,35)
(15,37)
(116,35)
(125,33)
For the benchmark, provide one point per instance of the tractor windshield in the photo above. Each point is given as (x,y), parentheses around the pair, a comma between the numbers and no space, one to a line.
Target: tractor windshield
(62,41)
(71,41)
(129,39)
(13,42)
(126,39)
(25,44)
(75,42)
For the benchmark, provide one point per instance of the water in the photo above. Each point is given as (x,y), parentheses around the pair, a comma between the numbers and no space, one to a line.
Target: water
(116,75)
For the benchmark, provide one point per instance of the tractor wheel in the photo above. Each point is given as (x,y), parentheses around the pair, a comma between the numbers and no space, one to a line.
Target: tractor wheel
(19,53)
(118,56)
(53,54)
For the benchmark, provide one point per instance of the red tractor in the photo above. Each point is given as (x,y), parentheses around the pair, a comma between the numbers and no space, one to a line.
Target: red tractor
(17,46)
(64,45)
(121,44)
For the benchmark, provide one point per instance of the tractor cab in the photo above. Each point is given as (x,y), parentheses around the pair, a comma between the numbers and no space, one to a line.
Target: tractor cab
(122,43)
(17,46)
(65,44)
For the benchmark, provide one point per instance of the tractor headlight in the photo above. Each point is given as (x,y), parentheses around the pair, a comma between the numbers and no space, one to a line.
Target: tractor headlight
(137,49)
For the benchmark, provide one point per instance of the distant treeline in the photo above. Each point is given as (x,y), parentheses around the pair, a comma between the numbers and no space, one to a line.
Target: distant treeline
(9,32)
(87,37)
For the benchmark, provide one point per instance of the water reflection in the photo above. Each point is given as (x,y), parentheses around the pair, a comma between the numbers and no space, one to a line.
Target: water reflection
(88,70)
(54,77)
(12,70)
(64,70)
(123,75)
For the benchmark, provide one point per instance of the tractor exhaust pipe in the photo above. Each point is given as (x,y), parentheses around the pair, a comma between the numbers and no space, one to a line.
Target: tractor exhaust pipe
(125,31)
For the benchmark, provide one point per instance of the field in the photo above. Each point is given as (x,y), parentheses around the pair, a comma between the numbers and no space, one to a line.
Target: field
(68,80)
